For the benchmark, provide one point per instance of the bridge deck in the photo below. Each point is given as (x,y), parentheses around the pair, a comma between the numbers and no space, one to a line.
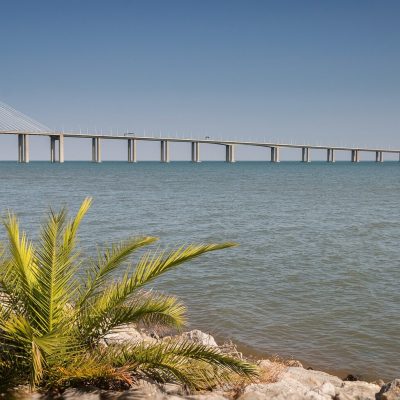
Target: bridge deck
(198,140)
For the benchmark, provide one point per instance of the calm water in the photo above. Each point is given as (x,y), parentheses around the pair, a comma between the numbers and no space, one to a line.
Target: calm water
(317,273)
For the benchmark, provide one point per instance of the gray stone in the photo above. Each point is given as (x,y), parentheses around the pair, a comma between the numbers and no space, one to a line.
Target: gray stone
(284,389)
(127,333)
(326,388)
(207,396)
(390,391)
(73,394)
(357,390)
(172,389)
(311,378)
(265,364)
(200,337)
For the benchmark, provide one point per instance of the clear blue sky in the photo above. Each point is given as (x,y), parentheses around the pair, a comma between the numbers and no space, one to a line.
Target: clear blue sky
(305,71)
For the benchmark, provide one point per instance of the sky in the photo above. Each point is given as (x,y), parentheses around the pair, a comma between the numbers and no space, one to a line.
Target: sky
(317,72)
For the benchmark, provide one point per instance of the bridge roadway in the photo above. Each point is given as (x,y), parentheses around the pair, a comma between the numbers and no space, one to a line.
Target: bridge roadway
(57,146)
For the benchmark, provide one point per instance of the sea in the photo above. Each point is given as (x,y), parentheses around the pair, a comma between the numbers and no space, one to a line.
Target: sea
(316,273)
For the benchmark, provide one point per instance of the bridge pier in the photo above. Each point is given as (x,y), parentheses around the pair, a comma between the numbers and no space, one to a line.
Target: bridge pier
(96,150)
(230,153)
(330,155)
(195,152)
(164,151)
(23,148)
(379,156)
(52,149)
(53,144)
(275,154)
(61,148)
(306,154)
(355,156)
(132,151)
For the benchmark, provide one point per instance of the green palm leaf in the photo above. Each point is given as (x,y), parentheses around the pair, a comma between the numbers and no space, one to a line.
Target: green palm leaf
(51,321)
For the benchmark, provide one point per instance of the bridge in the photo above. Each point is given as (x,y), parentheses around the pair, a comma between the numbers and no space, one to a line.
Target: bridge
(13,122)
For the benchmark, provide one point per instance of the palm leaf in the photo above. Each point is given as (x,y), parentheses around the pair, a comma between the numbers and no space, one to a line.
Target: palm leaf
(149,267)
(21,264)
(110,261)
(153,265)
(192,364)
(146,308)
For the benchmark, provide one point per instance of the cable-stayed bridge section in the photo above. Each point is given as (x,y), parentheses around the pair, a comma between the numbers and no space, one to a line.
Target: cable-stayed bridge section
(13,122)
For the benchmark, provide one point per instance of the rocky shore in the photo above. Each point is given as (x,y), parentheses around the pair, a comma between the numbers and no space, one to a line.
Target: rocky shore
(279,380)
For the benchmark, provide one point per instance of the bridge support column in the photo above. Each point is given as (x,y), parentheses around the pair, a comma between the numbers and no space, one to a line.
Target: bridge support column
(355,156)
(275,154)
(379,156)
(330,155)
(96,150)
(306,154)
(132,150)
(23,148)
(195,152)
(53,154)
(61,149)
(230,153)
(164,151)
(52,149)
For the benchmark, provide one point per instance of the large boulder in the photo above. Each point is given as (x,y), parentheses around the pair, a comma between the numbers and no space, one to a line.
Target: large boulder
(127,334)
(297,383)
(357,390)
(390,391)
(200,337)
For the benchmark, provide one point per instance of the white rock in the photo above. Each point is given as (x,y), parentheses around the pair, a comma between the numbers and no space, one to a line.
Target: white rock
(265,364)
(285,388)
(390,391)
(200,337)
(144,390)
(207,396)
(311,378)
(172,389)
(73,394)
(127,334)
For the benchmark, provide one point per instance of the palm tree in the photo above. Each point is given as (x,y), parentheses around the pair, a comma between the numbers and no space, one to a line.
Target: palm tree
(52,320)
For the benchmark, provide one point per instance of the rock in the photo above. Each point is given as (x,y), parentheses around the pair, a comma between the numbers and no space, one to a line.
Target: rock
(351,378)
(295,384)
(200,337)
(252,396)
(379,382)
(284,389)
(294,363)
(172,389)
(73,394)
(326,388)
(207,396)
(145,390)
(356,390)
(265,364)
(127,333)
(390,391)
(311,378)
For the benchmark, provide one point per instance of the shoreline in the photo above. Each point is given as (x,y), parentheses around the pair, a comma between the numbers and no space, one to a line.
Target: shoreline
(277,379)
(253,354)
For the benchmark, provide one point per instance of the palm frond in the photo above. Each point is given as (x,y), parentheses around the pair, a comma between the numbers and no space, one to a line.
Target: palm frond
(69,240)
(152,265)
(111,259)
(50,322)
(149,267)
(192,364)
(147,308)
(54,288)
(21,264)
(99,311)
